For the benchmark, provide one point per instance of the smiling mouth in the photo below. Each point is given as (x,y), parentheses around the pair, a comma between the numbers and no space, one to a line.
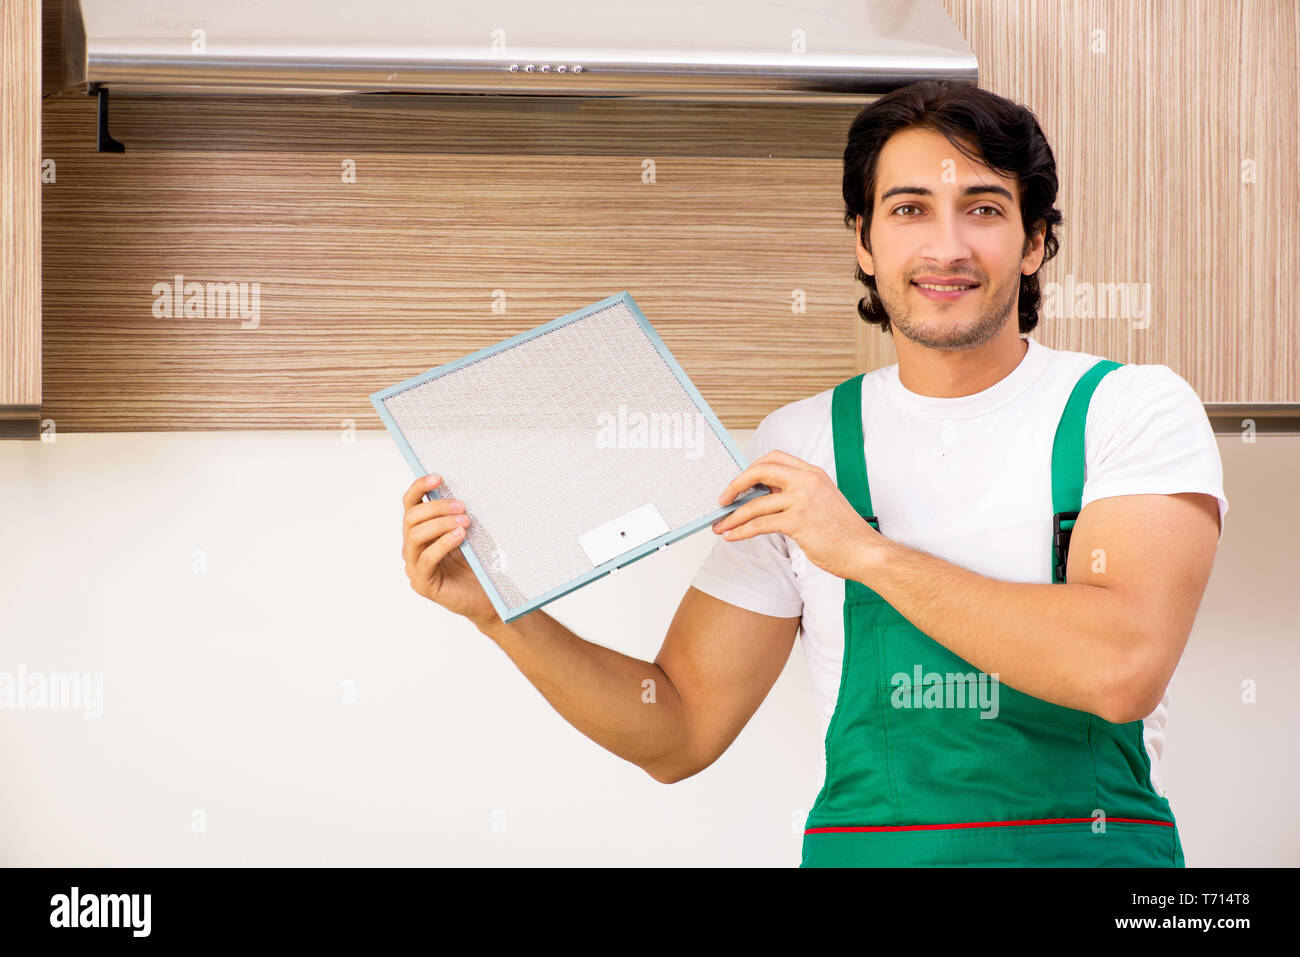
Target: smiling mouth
(943,292)
(945,287)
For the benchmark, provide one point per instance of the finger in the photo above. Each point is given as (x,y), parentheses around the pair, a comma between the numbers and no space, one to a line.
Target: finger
(428,559)
(415,491)
(422,533)
(785,458)
(760,472)
(763,505)
(758,526)
(423,511)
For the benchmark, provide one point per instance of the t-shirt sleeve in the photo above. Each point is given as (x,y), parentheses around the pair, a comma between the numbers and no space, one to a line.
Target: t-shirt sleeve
(753,573)
(1147,433)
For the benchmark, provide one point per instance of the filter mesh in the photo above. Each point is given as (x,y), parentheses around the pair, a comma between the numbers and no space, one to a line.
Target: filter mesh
(557,435)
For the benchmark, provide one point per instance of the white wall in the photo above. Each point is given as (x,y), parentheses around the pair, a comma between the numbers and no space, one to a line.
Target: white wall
(223,690)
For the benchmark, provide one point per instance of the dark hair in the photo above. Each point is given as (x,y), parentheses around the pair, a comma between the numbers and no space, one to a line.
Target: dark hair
(1007,138)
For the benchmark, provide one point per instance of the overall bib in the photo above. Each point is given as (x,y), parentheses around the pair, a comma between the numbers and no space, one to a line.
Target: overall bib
(933,774)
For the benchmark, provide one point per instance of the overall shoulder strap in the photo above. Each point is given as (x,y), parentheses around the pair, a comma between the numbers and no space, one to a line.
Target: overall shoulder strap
(1068,463)
(850,451)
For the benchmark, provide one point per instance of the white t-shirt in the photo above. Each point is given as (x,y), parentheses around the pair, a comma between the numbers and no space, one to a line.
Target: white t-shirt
(969,479)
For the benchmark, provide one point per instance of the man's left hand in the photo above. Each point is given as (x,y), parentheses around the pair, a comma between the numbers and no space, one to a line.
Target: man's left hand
(805,504)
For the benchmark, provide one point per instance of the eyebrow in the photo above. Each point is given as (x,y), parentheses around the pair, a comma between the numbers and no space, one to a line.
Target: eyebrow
(968,191)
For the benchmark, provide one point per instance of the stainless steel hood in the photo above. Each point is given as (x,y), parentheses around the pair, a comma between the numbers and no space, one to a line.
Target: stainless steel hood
(705,50)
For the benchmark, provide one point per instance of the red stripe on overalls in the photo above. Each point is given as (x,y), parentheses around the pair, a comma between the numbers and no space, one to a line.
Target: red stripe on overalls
(932,827)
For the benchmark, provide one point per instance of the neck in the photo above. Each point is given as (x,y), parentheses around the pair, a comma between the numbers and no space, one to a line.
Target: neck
(945,374)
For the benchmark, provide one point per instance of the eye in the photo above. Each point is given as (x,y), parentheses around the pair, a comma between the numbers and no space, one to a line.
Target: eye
(906,206)
(996,211)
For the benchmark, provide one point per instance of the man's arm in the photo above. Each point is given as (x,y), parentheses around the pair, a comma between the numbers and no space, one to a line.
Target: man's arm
(1105,642)
(717,664)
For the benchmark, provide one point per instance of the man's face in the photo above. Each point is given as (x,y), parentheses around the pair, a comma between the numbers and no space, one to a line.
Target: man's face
(926,226)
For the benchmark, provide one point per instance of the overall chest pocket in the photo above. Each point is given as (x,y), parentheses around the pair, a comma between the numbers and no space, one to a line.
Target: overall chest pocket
(962,746)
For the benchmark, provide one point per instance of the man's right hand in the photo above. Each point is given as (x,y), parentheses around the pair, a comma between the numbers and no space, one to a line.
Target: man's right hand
(432,533)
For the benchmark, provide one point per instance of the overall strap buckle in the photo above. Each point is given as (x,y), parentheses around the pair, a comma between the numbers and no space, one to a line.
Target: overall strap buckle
(1062,526)
(869,519)
(1069,460)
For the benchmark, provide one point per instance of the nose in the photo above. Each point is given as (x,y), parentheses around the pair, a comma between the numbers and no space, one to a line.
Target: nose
(946,243)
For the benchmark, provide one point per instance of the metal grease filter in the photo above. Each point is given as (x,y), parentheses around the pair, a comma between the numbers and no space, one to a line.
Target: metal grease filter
(566,444)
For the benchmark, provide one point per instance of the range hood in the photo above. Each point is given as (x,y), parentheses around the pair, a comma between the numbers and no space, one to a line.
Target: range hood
(703,50)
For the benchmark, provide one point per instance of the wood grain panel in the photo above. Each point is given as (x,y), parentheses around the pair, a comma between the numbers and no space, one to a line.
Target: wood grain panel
(20,214)
(511,126)
(367,283)
(363,284)
(1152,107)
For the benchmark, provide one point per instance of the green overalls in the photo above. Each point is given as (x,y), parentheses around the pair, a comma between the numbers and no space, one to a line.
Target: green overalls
(911,783)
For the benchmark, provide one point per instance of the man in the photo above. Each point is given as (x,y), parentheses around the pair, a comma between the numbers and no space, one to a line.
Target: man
(994,550)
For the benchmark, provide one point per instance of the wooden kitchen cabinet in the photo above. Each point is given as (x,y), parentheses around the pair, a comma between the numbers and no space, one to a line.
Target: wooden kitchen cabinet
(1173,130)
(20,218)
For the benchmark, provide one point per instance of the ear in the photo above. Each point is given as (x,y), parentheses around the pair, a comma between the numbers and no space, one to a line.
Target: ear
(1033,257)
(864,256)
